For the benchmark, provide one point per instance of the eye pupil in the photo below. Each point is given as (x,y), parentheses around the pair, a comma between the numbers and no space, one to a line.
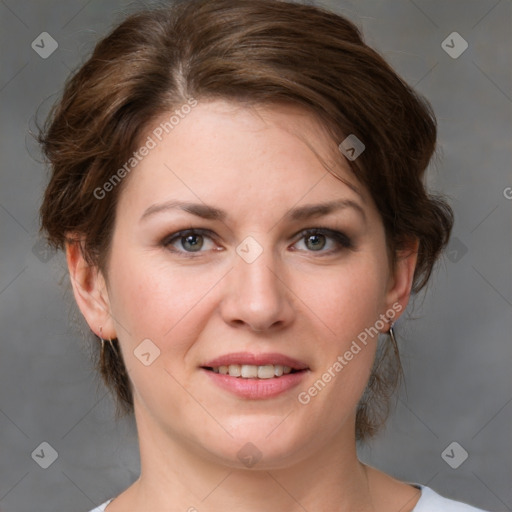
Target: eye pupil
(192,242)
(316,242)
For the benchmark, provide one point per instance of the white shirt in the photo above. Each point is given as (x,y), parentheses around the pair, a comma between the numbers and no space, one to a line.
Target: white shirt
(429,501)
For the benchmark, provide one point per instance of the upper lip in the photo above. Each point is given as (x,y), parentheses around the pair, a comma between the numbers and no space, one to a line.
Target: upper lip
(256,360)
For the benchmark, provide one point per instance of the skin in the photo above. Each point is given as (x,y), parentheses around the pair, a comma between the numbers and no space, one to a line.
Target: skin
(305,300)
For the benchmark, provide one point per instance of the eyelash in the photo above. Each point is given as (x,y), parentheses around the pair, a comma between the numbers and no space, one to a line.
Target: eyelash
(342,240)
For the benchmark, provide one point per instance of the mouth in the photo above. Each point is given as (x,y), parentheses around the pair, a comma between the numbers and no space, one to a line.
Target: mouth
(249,371)
(255,366)
(255,376)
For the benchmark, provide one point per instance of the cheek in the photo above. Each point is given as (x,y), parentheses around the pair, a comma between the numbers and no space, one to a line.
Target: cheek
(169,306)
(158,301)
(347,300)
(346,305)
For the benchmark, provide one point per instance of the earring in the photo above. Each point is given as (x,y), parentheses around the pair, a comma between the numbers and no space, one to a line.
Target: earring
(391,333)
(103,345)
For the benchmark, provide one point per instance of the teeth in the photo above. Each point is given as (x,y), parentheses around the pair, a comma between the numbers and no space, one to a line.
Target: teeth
(249,371)
(266,372)
(235,370)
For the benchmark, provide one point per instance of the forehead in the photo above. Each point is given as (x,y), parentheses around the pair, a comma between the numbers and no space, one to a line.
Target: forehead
(223,151)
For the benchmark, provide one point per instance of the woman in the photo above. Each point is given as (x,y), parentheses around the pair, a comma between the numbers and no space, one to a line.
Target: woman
(238,188)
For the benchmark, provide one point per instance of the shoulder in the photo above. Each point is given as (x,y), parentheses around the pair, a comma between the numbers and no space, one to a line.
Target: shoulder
(430,501)
(101,508)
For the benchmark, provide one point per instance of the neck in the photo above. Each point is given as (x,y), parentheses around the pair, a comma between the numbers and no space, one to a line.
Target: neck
(176,476)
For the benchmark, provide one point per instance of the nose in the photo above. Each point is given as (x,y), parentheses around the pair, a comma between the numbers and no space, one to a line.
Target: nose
(257,296)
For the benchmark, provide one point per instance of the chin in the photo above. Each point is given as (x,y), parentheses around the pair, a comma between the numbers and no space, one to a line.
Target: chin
(259,444)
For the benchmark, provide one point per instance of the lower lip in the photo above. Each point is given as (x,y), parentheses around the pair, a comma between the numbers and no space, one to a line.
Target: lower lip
(256,389)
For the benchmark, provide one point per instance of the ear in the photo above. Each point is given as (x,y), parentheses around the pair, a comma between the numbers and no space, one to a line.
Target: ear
(401,278)
(90,291)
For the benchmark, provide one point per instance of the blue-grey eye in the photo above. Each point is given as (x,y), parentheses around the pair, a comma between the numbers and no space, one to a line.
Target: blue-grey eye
(315,242)
(323,241)
(192,243)
(189,241)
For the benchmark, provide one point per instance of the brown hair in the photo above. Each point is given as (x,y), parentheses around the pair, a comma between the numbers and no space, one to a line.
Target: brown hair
(256,52)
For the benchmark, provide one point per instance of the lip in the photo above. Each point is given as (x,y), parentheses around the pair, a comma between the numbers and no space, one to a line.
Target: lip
(256,360)
(256,389)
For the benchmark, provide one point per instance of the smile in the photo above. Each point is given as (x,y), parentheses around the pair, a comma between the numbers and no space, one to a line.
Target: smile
(249,371)
(255,376)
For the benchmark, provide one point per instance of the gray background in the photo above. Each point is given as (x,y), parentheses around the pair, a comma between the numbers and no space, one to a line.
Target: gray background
(456,343)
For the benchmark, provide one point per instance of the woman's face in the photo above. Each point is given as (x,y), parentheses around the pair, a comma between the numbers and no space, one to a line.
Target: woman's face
(233,245)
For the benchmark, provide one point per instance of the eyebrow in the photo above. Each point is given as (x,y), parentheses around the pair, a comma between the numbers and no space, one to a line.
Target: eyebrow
(200,210)
(210,213)
(319,210)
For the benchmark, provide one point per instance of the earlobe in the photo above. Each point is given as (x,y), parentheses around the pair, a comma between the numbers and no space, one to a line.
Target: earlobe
(402,277)
(90,291)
